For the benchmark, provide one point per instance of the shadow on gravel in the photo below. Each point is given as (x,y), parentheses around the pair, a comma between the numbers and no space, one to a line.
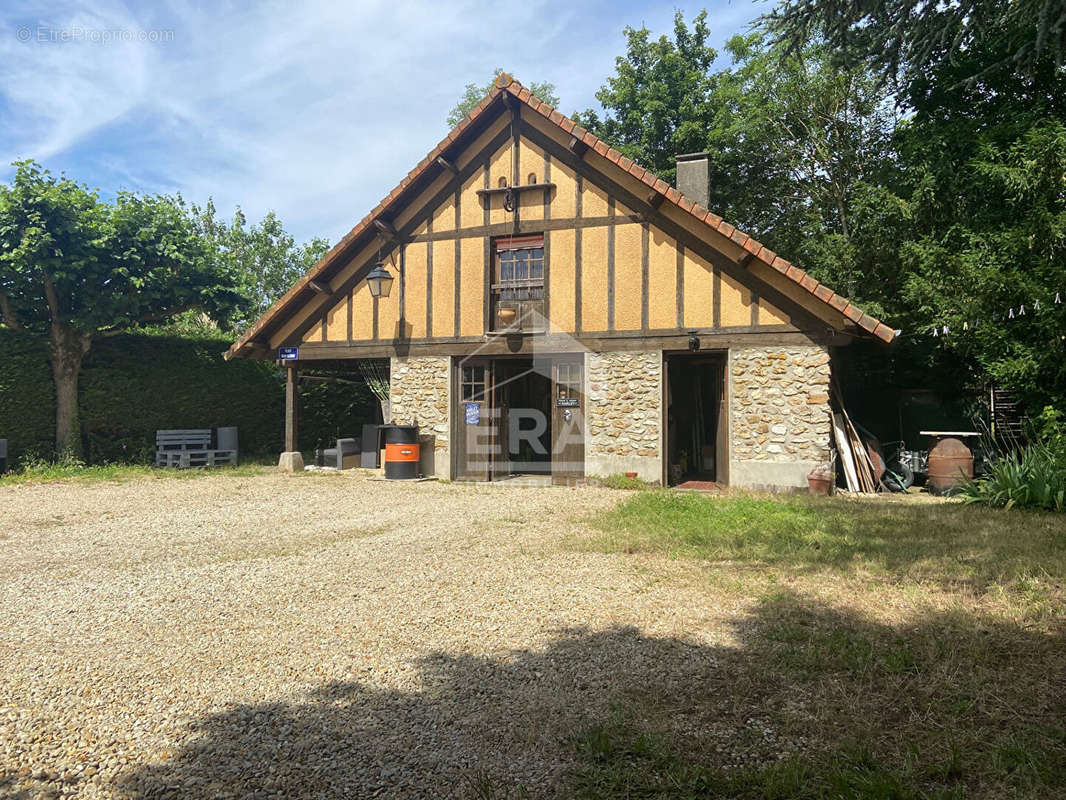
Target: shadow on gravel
(952,706)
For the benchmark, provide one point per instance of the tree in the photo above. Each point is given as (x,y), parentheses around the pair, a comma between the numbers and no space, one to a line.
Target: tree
(474,93)
(74,268)
(658,104)
(796,144)
(906,38)
(263,259)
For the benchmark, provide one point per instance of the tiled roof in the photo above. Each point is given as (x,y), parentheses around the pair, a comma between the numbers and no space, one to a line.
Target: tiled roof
(506,83)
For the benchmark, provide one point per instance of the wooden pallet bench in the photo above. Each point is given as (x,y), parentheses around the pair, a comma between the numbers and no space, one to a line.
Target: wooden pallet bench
(189,448)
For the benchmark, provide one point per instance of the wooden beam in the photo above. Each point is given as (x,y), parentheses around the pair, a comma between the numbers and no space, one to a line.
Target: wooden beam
(577,147)
(385,228)
(322,287)
(746,259)
(292,400)
(448,165)
(655,199)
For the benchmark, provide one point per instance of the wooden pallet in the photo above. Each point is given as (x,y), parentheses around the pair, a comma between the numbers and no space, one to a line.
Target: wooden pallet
(189,448)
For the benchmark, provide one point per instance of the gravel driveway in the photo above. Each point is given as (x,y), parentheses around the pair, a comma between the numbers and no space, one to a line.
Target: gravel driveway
(318,636)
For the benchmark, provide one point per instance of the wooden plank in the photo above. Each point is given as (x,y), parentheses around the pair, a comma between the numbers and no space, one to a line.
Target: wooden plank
(851,476)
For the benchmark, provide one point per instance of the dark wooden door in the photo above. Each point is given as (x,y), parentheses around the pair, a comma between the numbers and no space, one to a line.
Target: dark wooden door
(474,424)
(568,420)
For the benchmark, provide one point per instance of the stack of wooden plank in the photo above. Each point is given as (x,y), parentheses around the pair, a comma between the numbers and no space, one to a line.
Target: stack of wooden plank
(859,471)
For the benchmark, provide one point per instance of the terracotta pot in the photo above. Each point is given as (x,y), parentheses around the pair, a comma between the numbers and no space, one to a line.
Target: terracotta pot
(818,484)
(507,316)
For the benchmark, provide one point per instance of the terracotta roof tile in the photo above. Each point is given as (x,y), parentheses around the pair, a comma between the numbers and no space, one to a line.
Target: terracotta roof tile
(505,82)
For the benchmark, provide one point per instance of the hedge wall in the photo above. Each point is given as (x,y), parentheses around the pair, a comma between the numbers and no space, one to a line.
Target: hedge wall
(133,385)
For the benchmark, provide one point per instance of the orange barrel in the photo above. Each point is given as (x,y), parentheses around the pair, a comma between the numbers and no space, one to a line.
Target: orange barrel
(401,451)
(950,462)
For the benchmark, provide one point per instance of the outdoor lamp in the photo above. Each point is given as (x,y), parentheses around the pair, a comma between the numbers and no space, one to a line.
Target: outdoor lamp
(380,281)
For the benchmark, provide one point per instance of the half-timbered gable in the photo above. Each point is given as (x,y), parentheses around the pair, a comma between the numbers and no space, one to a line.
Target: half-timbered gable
(521,234)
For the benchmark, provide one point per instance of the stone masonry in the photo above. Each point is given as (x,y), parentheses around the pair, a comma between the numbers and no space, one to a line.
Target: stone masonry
(623,414)
(779,413)
(418,395)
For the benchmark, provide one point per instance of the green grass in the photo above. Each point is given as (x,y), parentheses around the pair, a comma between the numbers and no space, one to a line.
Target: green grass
(76,472)
(939,541)
(902,649)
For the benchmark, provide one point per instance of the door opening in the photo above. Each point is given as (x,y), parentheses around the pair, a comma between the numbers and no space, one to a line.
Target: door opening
(518,417)
(695,418)
(522,401)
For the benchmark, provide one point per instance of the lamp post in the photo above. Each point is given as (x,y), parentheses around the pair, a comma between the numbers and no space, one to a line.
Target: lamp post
(380,281)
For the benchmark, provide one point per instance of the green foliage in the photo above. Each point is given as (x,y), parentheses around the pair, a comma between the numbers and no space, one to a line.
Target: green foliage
(1029,478)
(1033,477)
(659,103)
(66,257)
(473,94)
(263,260)
(938,200)
(133,385)
(620,481)
(905,38)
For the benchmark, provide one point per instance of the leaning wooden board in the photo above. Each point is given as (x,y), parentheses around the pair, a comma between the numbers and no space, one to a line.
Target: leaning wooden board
(844,448)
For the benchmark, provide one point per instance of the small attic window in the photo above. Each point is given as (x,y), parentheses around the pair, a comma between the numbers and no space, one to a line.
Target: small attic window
(532,179)
(502,182)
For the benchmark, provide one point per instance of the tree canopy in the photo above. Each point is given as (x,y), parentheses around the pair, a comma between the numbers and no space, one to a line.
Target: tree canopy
(921,177)
(473,94)
(73,268)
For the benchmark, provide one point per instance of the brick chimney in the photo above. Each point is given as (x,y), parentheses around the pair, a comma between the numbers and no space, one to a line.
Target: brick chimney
(694,177)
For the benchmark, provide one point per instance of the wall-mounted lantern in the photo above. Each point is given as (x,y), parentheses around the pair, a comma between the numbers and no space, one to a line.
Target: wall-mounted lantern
(380,281)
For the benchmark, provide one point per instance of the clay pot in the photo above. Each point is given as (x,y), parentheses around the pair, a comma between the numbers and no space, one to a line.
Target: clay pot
(819,480)
(507,316)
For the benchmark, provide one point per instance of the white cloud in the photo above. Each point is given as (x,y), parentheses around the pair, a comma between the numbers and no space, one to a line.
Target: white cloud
(314,110)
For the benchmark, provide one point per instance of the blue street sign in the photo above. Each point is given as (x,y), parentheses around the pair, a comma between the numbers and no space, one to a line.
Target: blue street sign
(288,353)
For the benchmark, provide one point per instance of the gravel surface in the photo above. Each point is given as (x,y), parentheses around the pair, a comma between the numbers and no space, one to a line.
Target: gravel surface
(321,636)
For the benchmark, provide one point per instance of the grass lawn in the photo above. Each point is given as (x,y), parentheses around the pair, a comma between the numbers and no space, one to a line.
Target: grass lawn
(885,649)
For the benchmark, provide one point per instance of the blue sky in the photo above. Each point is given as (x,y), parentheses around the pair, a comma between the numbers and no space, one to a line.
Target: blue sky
(314,111)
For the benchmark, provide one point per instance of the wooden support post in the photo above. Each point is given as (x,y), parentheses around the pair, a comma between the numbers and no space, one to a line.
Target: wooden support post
(292,410)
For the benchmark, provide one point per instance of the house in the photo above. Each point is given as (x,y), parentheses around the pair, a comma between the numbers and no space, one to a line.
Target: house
(548,306)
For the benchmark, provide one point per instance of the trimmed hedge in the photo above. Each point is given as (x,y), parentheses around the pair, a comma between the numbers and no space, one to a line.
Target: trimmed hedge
(132,385)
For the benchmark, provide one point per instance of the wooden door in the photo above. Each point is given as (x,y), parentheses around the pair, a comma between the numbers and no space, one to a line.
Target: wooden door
(473,415)
(568,420)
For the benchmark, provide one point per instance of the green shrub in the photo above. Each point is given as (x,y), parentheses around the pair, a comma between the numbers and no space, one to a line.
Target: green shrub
(1033,477)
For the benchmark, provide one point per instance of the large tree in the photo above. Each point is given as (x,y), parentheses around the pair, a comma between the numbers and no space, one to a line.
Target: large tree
(659,102)
(74,268)
(904,39)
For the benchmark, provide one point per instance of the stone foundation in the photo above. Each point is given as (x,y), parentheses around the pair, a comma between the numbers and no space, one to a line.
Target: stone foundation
(623,414)
(779,415)
(419,395)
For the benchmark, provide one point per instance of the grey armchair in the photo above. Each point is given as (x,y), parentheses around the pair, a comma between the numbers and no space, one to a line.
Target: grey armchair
(345,455)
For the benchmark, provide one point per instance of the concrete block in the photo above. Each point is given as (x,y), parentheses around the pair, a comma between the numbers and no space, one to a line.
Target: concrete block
(291,461)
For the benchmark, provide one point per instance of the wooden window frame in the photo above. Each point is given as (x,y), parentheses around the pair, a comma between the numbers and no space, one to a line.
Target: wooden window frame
(526,288)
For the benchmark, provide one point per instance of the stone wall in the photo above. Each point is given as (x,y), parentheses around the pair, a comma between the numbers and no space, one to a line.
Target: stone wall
(623,413)
(779,414)
(419,396)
